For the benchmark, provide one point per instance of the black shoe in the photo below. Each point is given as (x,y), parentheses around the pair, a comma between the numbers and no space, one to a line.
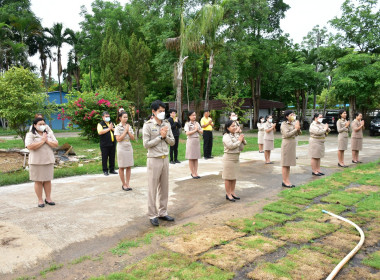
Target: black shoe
(113,172)
(235,197)
(106,173)
(125,189)
(154,222)
(287,186)
(230,199)
(211,157)
(320,173)
(316,174)
(50,203)
(198,177)
(172,162)
(355,161)
(344,166)
(167,218)
(41,205)
(177,161)
(194,177)
(206,158)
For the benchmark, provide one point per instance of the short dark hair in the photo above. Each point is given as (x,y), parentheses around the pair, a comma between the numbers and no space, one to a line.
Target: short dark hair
(105,113)
(157,104)
(356,114)
(207,110)
(341,112)
(230,113)
(227,125)
(316,115)
(35,121)
(287,113)
(267,116)
(189,114)
(261,117)
(172,110)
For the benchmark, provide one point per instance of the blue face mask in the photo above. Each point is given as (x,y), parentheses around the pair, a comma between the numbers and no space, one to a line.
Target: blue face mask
(107,119)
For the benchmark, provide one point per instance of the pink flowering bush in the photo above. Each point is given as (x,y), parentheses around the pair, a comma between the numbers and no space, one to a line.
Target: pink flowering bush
(84,109)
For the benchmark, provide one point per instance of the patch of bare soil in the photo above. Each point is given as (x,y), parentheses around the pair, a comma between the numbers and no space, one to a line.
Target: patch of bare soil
(364,189)
(10,161)
(358,273)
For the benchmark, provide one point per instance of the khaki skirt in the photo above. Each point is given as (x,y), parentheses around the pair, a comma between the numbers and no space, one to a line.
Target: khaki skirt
(230,166)
(342,143)
(260,137)
(356,144)
(316,148)
(268,145)
(288,152)
(41,172)
(125,155)
(193,148)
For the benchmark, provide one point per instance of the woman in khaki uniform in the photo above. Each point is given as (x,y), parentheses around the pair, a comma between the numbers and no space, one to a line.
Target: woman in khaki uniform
(357,127)
(260,134)
(40,144)
(124,135)
(318,132)
(193,145)
(289,130)
(233,145)
(342,126)
(269,128)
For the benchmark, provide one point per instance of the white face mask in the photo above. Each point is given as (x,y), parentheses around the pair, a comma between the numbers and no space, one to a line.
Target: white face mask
(42,128)
(161,116)
(320,120)
(262,120)
(270,120)
(234,118)
(107,119)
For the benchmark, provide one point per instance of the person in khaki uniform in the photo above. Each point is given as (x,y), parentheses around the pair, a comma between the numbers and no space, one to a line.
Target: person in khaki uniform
(318,132)
(40,144)
(157,134)
(260,134)
(342,126)
(269,128)
(124,134)
(289,130)
(357,127)
(233,144)
(193,145)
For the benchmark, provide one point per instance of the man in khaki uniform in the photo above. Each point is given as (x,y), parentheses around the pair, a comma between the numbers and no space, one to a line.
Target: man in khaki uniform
(157,134)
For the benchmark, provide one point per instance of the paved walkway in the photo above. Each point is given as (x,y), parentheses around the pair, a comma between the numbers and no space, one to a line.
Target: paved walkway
(93,208)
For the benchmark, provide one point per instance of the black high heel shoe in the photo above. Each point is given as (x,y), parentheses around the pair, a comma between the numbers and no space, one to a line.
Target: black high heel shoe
(230,199)
(195,177)
(235,197)
(288,186)
(50,203)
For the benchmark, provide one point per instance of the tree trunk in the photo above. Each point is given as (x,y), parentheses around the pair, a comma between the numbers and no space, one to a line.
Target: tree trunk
(256,99)
(202,87)
(59,82)
(90,78)
(210,68)
(298,101)
(178,83)
(303,106)
(352,109)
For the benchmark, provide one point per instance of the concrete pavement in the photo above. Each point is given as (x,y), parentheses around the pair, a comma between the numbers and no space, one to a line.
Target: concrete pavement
(94,210)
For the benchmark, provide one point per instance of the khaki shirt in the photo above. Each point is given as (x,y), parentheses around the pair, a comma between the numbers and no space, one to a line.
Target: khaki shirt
(268,135)
(44,154)
(288,130)
(190,126)
(152,141)
(260,126)
(355,125)
(317,130)
(119,130)
(231,143)
(341,127)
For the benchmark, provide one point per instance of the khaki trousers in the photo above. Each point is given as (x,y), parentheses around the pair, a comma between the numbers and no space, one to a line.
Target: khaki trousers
(158,185)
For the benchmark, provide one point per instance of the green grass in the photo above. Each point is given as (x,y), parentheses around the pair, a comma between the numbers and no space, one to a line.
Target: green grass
(81,259)
(82,145)
(344,198)
(167,265)
(373,260)
(52,268)
(280,270)
(282,206)
(372,202)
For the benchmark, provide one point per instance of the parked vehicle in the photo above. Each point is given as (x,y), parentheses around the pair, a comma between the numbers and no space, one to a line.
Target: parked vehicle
(331,117)
(374,126)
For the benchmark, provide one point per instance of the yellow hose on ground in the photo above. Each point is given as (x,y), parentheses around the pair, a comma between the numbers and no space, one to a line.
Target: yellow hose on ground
(352,253)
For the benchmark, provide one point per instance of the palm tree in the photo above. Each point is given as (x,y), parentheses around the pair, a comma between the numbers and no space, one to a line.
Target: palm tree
(57,38)
(206,22)
(75,39)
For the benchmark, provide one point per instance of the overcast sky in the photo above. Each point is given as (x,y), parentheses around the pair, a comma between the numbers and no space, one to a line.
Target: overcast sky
(302,16)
